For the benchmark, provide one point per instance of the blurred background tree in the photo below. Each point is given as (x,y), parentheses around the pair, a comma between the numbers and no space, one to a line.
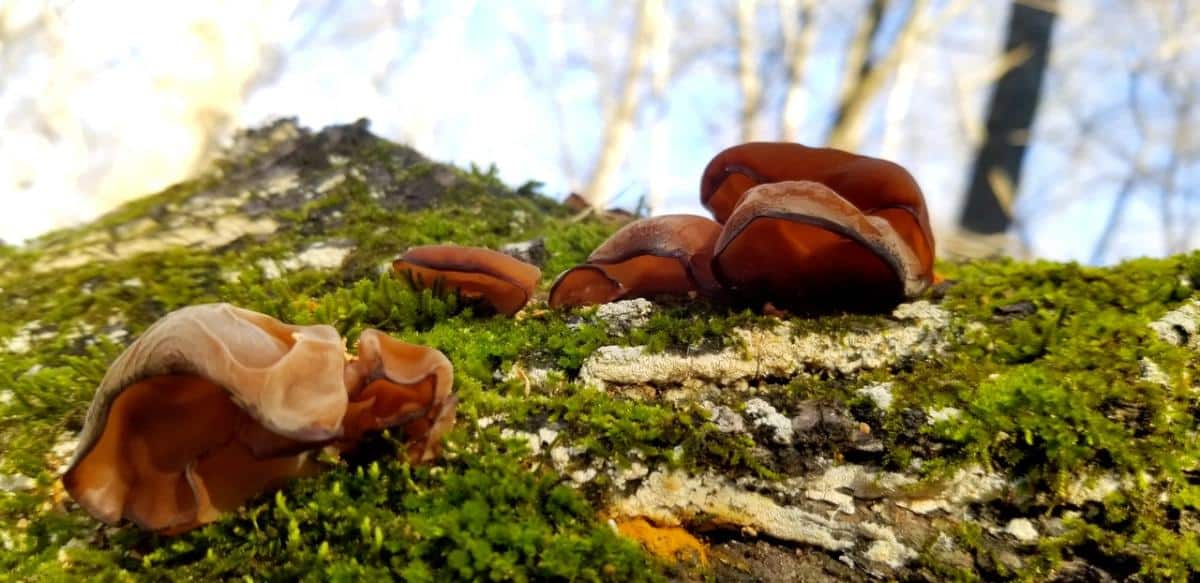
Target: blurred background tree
(1010,114)
(1036,127)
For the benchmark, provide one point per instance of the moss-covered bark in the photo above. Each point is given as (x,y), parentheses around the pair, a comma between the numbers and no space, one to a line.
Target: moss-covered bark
(1043,382)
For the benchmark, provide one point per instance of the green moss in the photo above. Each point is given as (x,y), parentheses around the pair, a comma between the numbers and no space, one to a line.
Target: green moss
(1057,393)
(481,515)
(1065,387)
(693,326)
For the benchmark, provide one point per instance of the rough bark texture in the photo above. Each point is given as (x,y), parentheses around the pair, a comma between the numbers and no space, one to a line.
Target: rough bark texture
(1031,421)
(997,168)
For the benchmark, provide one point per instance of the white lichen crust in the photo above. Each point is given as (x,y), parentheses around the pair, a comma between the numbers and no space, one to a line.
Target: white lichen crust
(919,329)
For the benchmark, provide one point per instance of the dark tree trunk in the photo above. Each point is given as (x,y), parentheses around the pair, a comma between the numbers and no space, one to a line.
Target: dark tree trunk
(1010,116)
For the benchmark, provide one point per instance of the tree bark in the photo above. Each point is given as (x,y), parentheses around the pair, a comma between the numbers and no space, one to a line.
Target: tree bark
(1010,117)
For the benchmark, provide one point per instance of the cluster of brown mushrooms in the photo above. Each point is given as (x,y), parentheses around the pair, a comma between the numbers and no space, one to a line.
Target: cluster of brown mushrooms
(214,404)
(795,226)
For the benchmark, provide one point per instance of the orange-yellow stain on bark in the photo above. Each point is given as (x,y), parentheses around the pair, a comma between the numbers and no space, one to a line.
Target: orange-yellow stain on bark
(668,542)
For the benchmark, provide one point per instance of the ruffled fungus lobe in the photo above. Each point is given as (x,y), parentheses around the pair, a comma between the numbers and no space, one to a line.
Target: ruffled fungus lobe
(823,251)
(214,404)
(876,187)
(403,385)
(663,255)
(501,281)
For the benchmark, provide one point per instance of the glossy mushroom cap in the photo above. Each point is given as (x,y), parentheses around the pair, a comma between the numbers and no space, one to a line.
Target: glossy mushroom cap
(739,168)
(213,405)
(400,385)
(799,243)
(585,285)
(501,281)
(663,255)
(207,408)
(876,187)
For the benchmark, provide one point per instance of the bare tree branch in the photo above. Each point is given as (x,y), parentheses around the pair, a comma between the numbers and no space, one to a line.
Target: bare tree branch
(619,124)
(858,63)
(748,75)
(848,129)
(799,33)
(966,84)
(660,79)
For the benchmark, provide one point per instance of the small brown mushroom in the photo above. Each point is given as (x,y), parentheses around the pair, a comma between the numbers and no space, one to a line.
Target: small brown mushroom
(799,243)
(663,255)
(503,282)
(214,404)
(585,285)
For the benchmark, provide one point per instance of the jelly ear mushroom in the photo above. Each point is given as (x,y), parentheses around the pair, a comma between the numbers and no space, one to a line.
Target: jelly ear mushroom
(823,251)
(663,255)
(400,385)
(739,168)
(210,406)
(876,187)
(585,285)
(501,281)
